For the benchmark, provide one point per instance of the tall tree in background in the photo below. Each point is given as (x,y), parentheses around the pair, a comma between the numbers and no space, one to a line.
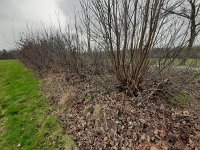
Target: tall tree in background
(189,10)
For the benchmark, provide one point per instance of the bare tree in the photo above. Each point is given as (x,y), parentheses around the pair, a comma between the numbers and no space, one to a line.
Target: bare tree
(192,15)
(86,22)
(129,30)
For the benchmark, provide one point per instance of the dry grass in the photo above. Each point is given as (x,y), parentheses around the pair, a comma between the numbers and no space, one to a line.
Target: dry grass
(67,97)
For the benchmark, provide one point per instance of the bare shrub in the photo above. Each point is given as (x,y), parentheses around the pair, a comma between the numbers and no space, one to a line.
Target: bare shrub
(128,31)
(116,37)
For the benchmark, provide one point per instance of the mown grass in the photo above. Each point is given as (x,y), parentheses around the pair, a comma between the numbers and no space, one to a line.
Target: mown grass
(25,119)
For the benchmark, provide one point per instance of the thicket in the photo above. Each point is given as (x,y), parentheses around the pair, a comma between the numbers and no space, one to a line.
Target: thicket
(118,38)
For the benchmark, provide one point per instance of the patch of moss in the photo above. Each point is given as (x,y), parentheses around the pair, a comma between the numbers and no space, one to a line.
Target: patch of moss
(182,99)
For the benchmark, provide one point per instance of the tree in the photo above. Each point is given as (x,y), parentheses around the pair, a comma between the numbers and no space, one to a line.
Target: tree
(192,15)
(129,30)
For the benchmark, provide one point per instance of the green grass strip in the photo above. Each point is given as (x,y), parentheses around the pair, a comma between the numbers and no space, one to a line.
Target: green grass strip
(25,121)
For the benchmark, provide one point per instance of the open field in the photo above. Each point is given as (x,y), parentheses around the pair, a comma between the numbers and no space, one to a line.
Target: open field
(25,118)
(176,62)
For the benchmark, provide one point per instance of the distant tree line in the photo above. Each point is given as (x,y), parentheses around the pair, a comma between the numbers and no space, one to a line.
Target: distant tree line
(169,53)
(5,54)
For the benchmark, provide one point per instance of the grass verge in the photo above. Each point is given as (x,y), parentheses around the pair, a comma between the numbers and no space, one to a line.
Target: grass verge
(25,121)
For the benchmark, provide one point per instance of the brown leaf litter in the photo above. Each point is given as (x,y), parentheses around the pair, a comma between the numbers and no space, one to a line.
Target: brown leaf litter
(101,118)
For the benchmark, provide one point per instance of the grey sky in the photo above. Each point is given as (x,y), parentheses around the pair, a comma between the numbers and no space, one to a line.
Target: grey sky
(15,15)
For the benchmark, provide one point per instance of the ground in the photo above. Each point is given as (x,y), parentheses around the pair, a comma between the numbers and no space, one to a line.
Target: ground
(93,111)
(100,117)
(26,121)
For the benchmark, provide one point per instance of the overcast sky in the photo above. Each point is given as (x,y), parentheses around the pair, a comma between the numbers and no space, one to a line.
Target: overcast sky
(15,15)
